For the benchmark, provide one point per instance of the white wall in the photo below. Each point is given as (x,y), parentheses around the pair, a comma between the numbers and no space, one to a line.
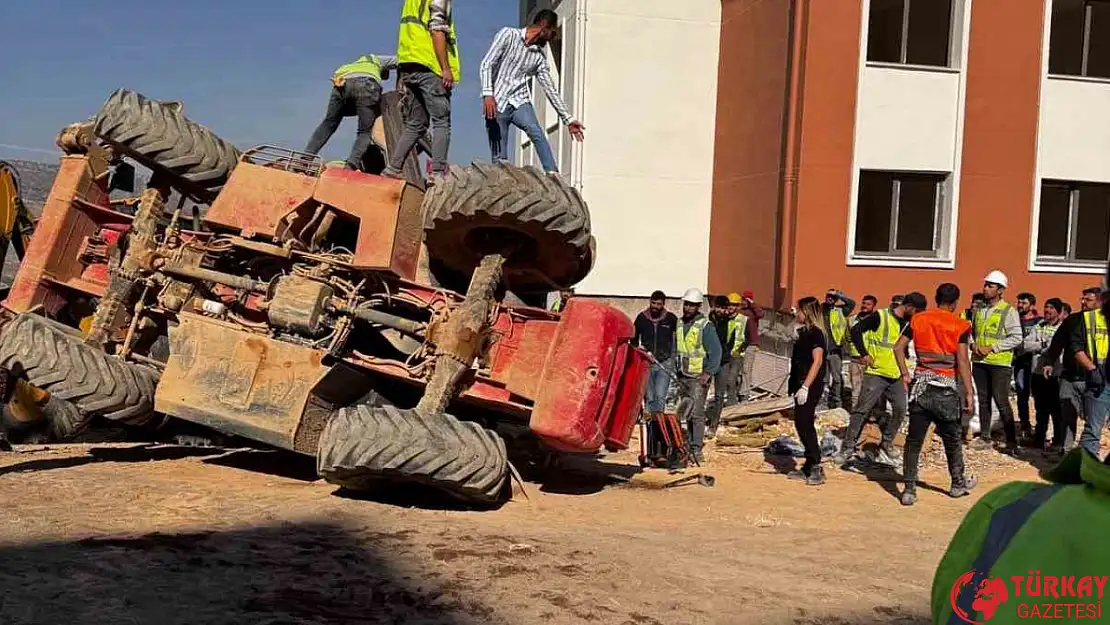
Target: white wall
(1074,130)
(643,80)
(907,119)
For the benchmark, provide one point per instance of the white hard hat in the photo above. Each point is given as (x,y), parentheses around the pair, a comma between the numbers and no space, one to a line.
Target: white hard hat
(997,277)
(693,296)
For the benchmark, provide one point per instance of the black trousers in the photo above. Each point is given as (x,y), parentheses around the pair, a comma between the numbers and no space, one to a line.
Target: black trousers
(940,406)
(993,382)
(1046,402)
(805,422)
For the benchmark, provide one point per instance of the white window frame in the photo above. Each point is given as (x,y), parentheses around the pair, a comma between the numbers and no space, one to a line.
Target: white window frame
(941,206)
(1069,259)
(1082,75)
(956,47)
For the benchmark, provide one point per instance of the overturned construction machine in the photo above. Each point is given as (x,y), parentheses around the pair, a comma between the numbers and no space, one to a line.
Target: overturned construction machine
(296,306)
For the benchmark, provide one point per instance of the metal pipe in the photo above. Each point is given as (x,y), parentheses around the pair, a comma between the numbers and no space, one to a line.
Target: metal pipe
(792,140)
(211,275)
(408,326)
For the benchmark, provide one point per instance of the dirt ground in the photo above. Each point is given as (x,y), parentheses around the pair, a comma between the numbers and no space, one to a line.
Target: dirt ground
(118,533)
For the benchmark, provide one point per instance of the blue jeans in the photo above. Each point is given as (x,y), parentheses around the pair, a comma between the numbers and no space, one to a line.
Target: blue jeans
(658,384)
(1096,408)
(523,117)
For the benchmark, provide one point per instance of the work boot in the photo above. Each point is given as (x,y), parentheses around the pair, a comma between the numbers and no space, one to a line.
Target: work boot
(799,475)
(843,457)
(816,476)
(963,490)
(1012,449)
(909,496)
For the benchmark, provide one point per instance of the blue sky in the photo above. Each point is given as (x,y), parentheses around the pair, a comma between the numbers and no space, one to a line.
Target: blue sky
(254,71)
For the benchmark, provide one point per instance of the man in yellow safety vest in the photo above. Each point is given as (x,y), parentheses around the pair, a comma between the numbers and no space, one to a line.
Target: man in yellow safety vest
(867,306)
(698,352)
(428,61)
(837,307)
(356,92)
(1092,353)
(996,332)
(874,338)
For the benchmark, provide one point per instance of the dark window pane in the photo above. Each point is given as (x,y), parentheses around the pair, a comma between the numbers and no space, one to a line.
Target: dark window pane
(1098,54)
(873,213)
(1065,43)
(917,209)
(1052,228)
(1092,237)
(884,31)
(930,31)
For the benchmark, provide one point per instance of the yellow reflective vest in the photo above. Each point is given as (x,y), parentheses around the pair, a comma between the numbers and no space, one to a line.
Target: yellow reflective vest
(838,325)
(1098,343)
(415,39)
(880,345)
(368,65)
(691,350)
(736,332)
(990,328)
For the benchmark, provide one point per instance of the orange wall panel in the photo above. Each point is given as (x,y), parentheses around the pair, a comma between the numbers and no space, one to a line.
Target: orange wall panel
(752,82)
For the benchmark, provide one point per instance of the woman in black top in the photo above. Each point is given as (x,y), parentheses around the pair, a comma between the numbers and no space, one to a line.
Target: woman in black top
(807,384)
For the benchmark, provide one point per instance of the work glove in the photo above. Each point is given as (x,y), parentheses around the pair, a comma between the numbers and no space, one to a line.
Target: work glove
(1096,383)
(802,396)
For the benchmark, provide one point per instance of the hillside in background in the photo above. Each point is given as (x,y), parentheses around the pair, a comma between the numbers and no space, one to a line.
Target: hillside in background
(35,180)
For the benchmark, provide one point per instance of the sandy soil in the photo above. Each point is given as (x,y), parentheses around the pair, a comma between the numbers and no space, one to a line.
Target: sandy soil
(133,534)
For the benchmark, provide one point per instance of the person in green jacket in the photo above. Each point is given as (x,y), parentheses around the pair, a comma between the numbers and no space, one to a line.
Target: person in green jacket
(1029,550)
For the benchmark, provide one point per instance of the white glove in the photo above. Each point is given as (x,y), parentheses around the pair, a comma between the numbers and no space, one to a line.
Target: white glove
(802,396)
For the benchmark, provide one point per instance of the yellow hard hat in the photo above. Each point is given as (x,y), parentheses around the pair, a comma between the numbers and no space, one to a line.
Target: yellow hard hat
(734,298)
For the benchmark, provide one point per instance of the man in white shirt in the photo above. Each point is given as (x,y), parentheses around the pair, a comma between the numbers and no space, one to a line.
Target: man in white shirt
(516,56)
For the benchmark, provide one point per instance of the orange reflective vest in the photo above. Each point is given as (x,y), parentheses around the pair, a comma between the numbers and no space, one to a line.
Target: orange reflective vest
(936,337)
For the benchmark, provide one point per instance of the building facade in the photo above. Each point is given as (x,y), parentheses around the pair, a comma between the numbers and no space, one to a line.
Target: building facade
(877,146)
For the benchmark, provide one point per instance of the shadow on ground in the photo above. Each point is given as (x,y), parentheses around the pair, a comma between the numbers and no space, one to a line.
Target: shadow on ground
(294,573)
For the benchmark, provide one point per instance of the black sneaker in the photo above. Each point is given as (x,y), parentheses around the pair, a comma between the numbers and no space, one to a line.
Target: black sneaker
(1012,449)
(909,497)
(816,476)
(963,490)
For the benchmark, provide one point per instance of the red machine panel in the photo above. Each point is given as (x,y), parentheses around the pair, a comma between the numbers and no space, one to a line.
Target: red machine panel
(588,355)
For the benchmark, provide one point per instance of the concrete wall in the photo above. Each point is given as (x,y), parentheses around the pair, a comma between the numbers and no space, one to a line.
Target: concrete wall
(908,119)
(648,101)
(1075,130)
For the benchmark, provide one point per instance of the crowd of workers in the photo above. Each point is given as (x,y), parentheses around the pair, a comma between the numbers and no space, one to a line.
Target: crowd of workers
(428,67)
(926,363)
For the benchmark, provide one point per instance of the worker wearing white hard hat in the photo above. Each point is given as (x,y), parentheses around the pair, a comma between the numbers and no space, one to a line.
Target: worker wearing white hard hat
(996,331)
(698,352)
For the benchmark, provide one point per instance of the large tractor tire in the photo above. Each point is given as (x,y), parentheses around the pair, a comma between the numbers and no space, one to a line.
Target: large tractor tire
(158,136)
(61,421)
(55,359)
(540,220)
(366,444)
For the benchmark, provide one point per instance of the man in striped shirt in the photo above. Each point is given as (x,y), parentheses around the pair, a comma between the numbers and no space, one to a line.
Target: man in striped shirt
(517,55)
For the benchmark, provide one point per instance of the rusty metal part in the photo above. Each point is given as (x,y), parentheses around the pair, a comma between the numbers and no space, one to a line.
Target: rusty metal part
(141,247)
(462,336)
(76,138)
(211,275)
(264,248)
(369,315)
(27,401)
(298,305)
(237,382)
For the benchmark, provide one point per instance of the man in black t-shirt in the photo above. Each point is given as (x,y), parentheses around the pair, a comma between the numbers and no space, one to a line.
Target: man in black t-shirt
(655,331)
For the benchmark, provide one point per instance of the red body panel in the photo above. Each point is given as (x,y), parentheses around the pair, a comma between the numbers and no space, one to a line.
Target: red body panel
(587,358)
